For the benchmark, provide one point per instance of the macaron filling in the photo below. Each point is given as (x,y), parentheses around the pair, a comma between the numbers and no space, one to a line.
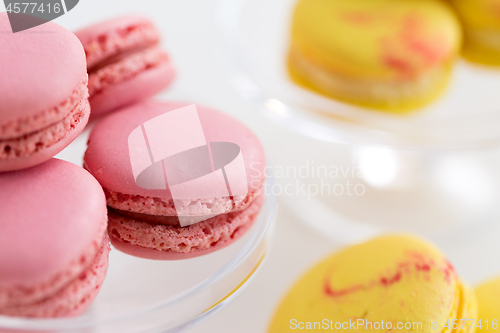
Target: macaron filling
(125,67)
(31,143)
(27,136)
(169,209)
(168,215)
(390,92)
(202,236)
(113,59)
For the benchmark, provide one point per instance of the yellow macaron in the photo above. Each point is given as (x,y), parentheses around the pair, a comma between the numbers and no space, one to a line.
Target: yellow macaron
(488,300)
(394,55)
(481,22)
(381,285)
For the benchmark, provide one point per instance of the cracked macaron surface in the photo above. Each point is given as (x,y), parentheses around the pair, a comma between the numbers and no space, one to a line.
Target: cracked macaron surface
(391,278)
(43,93)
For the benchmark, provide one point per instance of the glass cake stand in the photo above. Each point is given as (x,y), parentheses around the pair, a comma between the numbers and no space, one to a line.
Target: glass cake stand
(141,295)
(432,172)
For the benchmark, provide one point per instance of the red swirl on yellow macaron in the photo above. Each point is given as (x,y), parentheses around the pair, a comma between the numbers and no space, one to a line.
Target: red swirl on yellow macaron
(384,54)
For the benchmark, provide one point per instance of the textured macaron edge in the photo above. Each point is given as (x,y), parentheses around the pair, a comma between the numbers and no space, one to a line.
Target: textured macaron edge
(45,118)
(156,241)
(107,39)
(73,298)
(47,153)
(467,307)
(29,294)
(481,47)
(123,194)
(126,69)
(141,86)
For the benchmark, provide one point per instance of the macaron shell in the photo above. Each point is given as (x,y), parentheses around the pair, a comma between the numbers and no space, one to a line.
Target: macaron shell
(376,39)
(54,217)
(488,299)
(27,61)
(44,153)
(162,242)
(75,297)
(391,278)
(107,156)
(146,82)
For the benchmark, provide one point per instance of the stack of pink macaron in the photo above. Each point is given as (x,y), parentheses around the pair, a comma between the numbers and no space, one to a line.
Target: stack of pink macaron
(161,180)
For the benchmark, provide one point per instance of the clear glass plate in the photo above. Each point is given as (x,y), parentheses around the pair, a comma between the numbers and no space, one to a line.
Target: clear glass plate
(141,295)
(255,36)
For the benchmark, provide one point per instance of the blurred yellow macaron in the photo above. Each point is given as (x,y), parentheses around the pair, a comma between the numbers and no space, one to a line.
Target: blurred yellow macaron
(481,22)
(392,55)
(393,282)
(488,300)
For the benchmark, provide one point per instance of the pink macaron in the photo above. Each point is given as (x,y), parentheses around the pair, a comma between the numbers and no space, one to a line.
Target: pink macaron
(53,243)
(172,193)
(43,93)
(125,62)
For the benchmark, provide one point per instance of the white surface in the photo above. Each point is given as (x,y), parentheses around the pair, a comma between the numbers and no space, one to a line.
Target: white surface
(189,35)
